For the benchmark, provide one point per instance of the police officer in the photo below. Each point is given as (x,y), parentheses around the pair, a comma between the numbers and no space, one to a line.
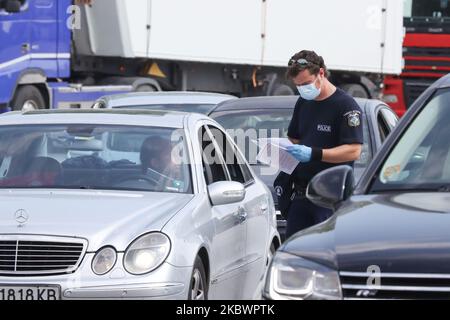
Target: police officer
(326,130)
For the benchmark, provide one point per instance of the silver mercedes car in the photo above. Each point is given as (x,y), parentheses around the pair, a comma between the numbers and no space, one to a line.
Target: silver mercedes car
(129,204)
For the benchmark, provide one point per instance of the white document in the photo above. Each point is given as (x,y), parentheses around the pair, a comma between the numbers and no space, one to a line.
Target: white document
(273,152)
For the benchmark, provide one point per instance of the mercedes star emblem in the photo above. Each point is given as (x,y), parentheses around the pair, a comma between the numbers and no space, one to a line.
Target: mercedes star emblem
(21,216)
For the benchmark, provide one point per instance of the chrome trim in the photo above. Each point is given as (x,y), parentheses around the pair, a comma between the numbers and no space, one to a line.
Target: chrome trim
(15,255)
(126,291)
(39,238)
(396,288)
(395,275)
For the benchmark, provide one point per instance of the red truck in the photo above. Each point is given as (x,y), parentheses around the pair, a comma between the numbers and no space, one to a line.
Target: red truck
(426,52)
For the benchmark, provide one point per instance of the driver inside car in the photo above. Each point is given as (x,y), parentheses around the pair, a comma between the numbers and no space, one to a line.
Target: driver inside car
(156,160)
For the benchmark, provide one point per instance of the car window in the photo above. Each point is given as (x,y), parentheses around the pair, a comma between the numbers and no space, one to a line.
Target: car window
(383,128)
(212,161)
(421,157)
(23,5)
(94,157)
(237,168)
(390,118)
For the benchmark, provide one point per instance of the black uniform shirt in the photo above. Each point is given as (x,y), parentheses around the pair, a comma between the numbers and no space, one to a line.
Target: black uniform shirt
(325,124)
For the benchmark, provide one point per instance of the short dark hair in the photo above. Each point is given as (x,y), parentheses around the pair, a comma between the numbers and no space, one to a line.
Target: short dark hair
(305,60)
(153,148)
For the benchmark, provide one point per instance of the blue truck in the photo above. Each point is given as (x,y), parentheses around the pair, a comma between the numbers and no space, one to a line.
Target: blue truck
(38,60)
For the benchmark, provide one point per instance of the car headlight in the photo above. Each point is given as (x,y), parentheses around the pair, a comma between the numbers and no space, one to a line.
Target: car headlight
(146,253)
(294,278)
(104,260)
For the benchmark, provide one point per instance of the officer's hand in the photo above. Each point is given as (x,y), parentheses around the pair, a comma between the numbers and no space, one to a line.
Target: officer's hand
(300,152)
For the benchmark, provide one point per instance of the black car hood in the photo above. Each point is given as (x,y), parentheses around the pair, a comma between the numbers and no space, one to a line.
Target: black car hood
(407,233)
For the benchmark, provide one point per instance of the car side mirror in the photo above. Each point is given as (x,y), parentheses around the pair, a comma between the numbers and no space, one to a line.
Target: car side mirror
(331,187)
(226,192)
(12,6)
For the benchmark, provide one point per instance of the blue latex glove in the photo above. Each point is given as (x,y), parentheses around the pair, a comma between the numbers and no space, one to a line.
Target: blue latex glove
(300,152)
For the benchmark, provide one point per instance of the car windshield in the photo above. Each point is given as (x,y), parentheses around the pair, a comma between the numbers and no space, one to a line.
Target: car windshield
(421,158)
(255,124)
(188,107)
(94,157)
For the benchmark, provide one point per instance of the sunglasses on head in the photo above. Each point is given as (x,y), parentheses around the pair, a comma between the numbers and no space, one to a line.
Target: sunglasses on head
(300,62)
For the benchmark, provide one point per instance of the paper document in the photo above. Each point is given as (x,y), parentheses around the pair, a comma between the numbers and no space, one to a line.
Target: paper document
(273,152)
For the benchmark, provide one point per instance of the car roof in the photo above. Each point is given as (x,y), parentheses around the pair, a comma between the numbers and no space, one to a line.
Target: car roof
(131,117)
(167,97)
(277,102)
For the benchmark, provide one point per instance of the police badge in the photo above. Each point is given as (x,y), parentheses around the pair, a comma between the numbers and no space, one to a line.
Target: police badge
(353,118)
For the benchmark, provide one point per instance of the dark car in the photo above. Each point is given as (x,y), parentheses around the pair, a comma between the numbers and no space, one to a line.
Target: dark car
(275,113)
(390,236)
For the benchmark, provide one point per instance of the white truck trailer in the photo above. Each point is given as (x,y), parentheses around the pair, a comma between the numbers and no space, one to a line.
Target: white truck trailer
(243,46)
(232,46)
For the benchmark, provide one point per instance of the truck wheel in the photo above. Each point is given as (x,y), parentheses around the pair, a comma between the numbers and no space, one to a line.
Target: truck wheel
(355,90)
(28,98)
(198,289)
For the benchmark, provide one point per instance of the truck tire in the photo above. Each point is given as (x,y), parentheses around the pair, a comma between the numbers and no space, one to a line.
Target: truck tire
(28,98)
(355,90)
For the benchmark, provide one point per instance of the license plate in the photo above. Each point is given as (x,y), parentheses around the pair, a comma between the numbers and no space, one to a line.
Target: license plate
(29,293)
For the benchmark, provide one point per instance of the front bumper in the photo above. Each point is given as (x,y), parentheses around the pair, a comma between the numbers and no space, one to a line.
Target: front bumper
(166,282)
(137,291)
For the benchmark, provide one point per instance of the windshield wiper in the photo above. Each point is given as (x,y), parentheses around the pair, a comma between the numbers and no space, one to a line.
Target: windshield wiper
(444,188)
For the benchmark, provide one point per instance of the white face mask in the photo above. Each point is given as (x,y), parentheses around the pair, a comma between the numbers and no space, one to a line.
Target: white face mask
(309,91)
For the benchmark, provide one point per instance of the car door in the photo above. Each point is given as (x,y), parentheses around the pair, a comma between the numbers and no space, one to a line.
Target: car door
(230,234)
(255,207)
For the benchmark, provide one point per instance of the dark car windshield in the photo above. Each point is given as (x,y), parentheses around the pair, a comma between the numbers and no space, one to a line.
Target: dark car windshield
(93,157)
(266,123)
(191,107)
(253,125)
(421,158)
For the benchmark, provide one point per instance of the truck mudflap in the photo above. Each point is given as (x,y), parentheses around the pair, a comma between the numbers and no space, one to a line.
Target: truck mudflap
(65,96)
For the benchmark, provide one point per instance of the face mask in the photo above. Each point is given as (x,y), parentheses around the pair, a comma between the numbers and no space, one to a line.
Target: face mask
(309,91)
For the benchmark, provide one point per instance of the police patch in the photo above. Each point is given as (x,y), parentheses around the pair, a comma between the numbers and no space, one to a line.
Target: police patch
(279,191)
(353,118)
